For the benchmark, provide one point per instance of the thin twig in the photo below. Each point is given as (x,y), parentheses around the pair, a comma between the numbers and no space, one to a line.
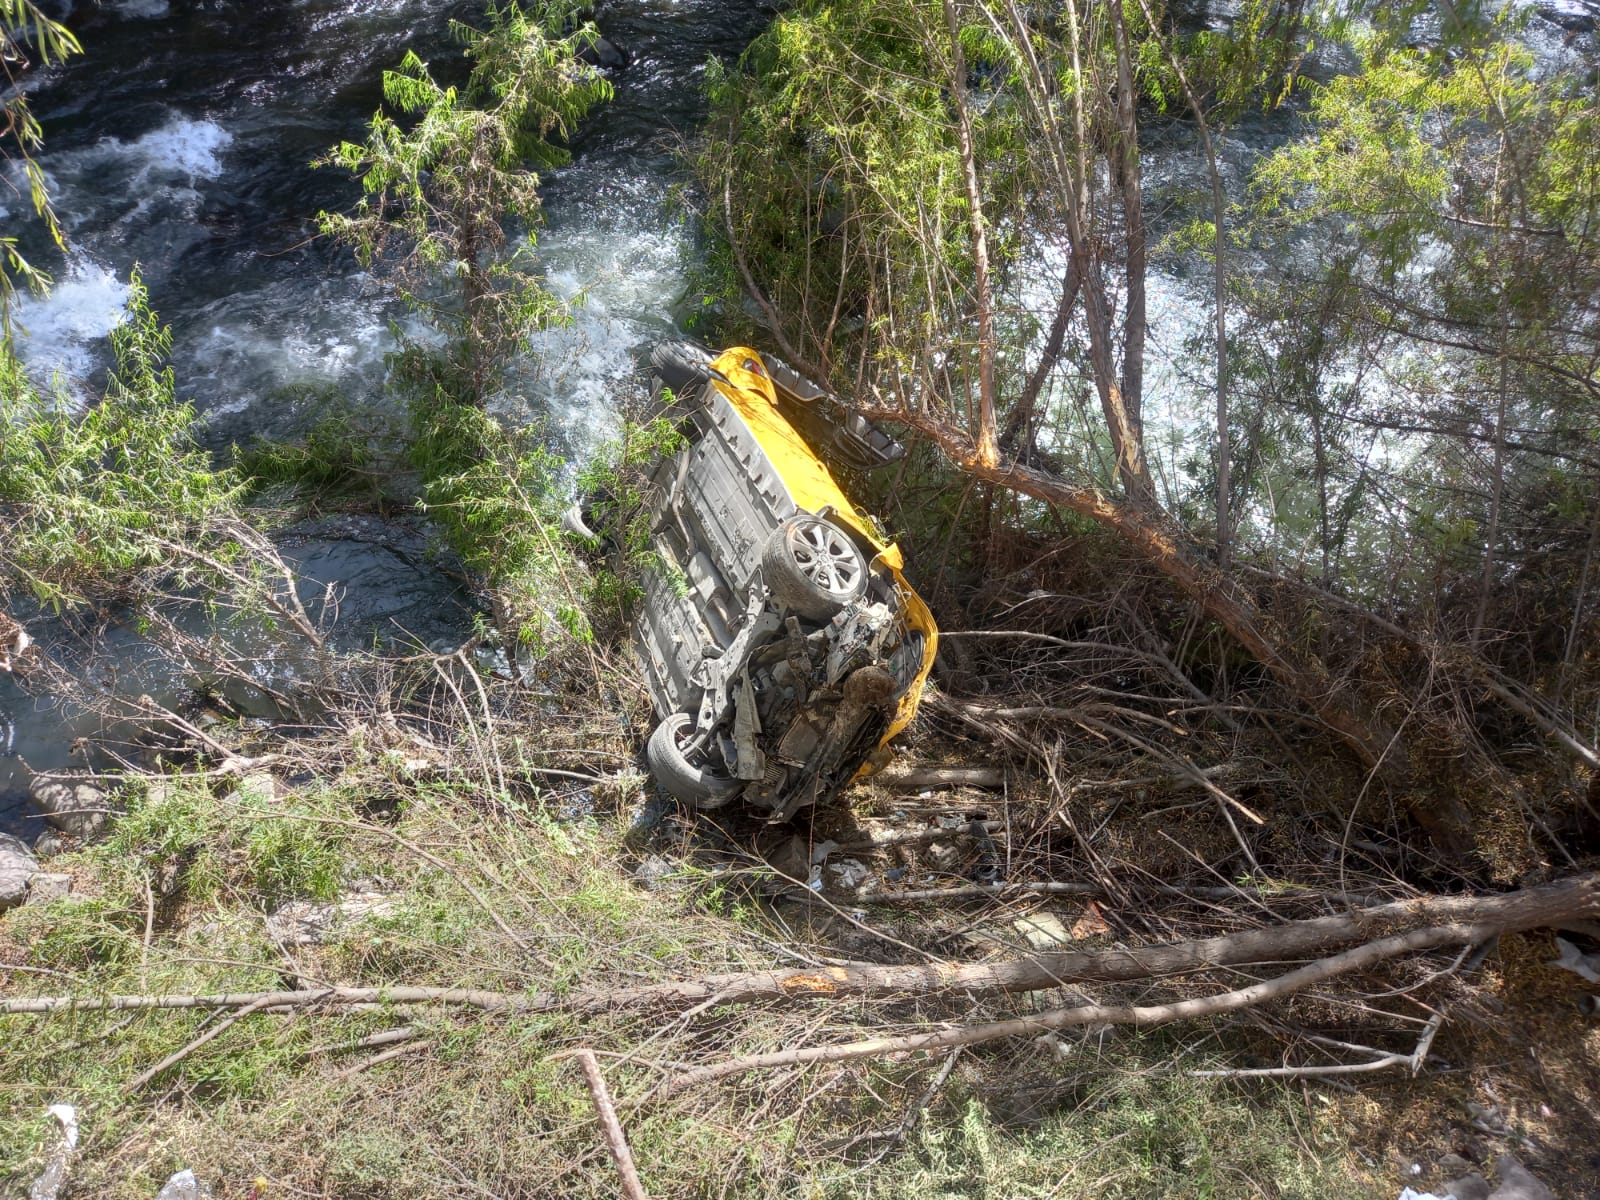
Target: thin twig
(386,1038)
(913,1115)
(610,1127)
(386,1056)
(178,1056)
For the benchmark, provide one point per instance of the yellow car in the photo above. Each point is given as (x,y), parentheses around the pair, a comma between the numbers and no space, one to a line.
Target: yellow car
(780,640)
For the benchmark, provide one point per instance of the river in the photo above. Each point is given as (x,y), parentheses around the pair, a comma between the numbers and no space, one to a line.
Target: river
(181,142)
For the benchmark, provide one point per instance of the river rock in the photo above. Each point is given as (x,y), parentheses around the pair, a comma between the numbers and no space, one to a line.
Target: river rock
(257,787)
(606,55)
(1569,17)
(46,886)
(184,1186)
(307,923)
(1515,1182)
(47,843)
(1043,930)
(17,866)
(73,806)
(1471,1186)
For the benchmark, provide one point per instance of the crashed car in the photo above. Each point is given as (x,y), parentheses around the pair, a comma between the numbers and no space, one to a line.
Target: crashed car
(781,643)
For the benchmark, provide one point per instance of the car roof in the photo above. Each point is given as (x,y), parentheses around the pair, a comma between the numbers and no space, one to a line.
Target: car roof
(740,375)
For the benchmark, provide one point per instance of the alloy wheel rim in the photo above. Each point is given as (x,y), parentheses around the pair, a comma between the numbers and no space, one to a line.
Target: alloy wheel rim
(826,558)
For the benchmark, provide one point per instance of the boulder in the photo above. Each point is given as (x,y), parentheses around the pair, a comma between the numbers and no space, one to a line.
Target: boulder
(1515,1182)
(74,806)
(17,866)
(1569,17)
(606,55)
(1471,1186)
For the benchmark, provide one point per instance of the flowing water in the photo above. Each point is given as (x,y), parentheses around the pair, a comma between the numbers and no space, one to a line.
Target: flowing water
(181,142)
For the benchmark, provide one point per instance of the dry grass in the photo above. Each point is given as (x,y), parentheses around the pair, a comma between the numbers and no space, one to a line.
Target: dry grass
(503,827)
(498,877)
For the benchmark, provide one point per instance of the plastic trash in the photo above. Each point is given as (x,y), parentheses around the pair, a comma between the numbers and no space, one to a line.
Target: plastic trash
(48,1185)
(183,1186)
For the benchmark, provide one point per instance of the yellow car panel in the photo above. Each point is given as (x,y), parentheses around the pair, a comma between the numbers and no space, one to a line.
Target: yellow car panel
(740,375)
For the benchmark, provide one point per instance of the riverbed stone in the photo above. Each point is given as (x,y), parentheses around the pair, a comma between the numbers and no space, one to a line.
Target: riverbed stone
(256,787)
(73,806)
(1515,1182)
(1471,1186)
(308,923)
(1043,930)
(46,886)
(17,866)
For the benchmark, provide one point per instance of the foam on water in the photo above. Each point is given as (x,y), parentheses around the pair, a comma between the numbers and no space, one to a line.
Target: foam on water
(142,9)
(115,173)
(182,147)
(63,332)
(612,240)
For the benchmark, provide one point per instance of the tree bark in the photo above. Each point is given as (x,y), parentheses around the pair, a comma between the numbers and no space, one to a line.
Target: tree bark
(1286,984)
(1126,169)
(984,431)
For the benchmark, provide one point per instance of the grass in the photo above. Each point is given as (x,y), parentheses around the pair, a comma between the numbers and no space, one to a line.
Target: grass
(489,1105)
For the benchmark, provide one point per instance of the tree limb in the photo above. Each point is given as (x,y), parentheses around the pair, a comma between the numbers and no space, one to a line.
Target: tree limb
(1576,898)
(1092,1014)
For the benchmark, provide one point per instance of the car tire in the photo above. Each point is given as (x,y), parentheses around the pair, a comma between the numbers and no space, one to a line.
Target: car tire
(573,522)
(813,567)
(694,784)
(682,365)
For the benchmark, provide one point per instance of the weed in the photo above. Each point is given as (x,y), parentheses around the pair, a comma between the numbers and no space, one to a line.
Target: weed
(294,859)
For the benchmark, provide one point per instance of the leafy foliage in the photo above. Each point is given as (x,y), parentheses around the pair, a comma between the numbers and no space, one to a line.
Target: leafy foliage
(442,181)
(616,482)
(836,143)
(1444,196)
(24,26)
(496,495)
(87,503)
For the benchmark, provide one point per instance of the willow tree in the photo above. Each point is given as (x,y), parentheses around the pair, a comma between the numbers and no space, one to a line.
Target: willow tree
(1451,192)
(450,199)
(27,37)
(940,203)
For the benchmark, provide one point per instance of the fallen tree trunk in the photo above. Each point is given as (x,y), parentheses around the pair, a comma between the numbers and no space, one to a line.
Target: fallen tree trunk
(1094,1014)
(911,779)
(1574,899)
(1162,542)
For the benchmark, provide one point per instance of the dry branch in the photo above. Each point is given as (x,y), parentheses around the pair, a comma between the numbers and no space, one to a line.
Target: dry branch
(1577,898)
(610,1127)
(1013,889)
(385,1056)
(910,779)
(178,1056)
(1094,1014)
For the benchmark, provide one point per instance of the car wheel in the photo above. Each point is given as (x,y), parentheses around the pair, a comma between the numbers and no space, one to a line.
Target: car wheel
(813,567)
(682,366)
(573,522)
(692,781)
